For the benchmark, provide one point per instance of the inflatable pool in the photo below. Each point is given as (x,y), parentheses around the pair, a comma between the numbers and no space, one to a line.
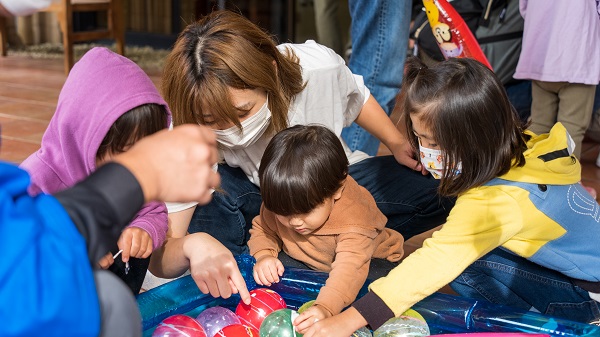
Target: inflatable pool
(445,314)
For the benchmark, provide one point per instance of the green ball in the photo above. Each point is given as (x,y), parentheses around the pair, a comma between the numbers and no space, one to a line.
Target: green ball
(403,326)
(362,332)
(414,314)
(306,306)
(279,324)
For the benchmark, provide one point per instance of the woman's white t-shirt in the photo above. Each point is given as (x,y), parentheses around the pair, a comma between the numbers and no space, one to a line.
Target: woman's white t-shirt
(333,97)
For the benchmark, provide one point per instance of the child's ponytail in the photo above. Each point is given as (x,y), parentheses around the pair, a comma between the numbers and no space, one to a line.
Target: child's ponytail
(412,67)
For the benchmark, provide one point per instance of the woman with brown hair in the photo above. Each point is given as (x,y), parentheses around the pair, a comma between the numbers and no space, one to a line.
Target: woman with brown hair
(226,73)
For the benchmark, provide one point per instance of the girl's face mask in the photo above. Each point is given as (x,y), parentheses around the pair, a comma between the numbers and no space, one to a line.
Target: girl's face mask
(433,161)
(252,129)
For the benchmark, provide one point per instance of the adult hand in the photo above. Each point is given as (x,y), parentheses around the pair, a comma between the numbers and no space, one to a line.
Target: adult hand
(340,325)
(174,165)
(267,270)
(213,267)
(134,242)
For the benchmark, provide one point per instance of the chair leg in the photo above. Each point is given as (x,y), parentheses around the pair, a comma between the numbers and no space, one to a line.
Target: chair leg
(3,36)
(117,25)
(65,18)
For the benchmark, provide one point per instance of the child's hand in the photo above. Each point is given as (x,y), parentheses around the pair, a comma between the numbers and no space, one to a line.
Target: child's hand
(267,270)
(340,325)
(405,155)
(309,317)
(106,261)
(135,242)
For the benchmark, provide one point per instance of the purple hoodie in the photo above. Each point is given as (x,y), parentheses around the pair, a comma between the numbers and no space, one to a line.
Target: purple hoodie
(101,87)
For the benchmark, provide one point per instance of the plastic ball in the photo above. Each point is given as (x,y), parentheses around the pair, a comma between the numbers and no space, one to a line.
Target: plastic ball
(237,330)
(362,332)
(263,302)
(403,326)
(305,306)
(412,313)
(279,324)
(216,318)
(179,326)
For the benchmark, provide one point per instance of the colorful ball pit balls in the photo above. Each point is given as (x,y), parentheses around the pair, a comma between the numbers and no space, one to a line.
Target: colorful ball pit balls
(403,326)
(237,330)
(263,302)
(179,326)
(279,324)
(362,332)
(216,318)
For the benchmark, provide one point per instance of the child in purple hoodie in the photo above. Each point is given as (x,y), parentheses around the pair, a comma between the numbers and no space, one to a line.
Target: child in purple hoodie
(106,104)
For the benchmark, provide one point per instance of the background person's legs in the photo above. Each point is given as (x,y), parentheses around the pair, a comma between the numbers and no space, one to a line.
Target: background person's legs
(544,106)
(379,36)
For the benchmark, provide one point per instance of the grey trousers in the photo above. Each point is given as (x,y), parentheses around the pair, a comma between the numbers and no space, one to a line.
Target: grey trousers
(118,308)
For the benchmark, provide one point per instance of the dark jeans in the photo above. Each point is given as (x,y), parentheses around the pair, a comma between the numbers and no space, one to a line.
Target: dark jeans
(407,198)
(519,94)
(377,269)
(503,278)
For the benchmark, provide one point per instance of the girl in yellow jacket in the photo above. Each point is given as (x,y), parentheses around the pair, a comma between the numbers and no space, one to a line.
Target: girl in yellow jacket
(523,232)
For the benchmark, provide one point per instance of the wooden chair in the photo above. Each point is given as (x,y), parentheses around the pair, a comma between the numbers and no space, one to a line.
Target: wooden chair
(3,36)
(115,29)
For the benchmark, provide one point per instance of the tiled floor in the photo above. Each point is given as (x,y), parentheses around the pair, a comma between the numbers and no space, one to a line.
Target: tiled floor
(29,90)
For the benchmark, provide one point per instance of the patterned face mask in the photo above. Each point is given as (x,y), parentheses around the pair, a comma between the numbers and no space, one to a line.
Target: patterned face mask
(433,161)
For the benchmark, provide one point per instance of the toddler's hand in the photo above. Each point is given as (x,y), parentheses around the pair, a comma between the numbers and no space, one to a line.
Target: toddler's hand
(267,270)
(309,317)
(106,261)
(135,242)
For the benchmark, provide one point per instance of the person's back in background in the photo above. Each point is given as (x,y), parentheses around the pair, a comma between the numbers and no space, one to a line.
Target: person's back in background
(498,27)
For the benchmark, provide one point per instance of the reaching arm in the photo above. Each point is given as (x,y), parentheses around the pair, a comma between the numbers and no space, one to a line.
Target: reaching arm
(211,264)
(373,119)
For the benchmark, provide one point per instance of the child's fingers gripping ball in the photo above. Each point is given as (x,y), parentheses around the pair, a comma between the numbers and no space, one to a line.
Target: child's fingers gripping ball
(279,324)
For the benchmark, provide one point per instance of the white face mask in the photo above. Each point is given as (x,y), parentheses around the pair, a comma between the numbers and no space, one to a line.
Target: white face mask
(433,161)
(252,129)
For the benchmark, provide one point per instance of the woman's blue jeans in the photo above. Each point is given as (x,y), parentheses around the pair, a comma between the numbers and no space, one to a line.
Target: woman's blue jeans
(504,278)
(408,199)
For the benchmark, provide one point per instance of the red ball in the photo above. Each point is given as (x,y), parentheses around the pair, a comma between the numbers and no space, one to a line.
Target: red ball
(238,330)
(179,325)
(263,302)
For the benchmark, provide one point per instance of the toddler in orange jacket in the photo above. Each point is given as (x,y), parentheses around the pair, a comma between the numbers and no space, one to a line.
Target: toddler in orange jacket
(319,215)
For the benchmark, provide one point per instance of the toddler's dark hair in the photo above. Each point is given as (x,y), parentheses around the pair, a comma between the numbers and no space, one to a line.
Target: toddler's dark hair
(301,167)
(132,126)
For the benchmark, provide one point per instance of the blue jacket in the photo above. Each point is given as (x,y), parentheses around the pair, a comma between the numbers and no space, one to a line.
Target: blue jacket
(46,281)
